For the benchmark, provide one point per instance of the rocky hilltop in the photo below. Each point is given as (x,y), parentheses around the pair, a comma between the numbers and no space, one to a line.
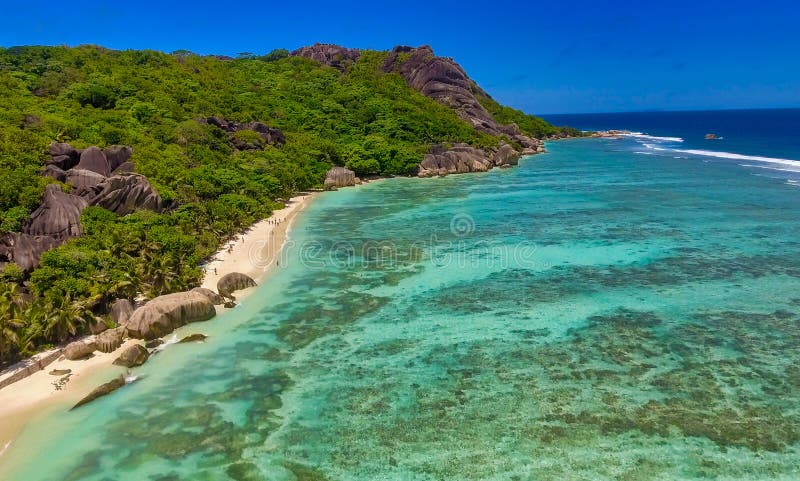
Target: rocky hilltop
(443,80)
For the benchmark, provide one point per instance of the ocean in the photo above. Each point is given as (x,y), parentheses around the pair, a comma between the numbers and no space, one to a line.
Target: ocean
(612,309)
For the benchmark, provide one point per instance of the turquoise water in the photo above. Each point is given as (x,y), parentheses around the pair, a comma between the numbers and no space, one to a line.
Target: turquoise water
(592,314)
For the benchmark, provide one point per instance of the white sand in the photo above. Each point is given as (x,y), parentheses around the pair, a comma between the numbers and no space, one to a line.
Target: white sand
(251,253)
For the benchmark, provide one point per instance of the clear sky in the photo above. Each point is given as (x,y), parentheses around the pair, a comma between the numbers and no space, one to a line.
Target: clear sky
(544,57)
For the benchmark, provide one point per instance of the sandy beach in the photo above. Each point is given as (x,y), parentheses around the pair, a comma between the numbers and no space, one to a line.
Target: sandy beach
(252,252)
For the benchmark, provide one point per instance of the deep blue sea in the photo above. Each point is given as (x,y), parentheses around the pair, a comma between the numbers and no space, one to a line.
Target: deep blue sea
(614,309)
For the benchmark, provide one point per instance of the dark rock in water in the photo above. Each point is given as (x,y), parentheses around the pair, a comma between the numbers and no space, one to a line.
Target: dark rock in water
(101,391)
(212,296)
(164,314)
(193,338)
(59,215)
(135,355)
(60,372)
(26,250)
(54,172)
(95,160)
(153,343)
(125,193)
(80,349)
(339,177)
(117,155)
(111,339)
(331,55)
(229,305)
(232,282)
(443,80)
(83,181)
(121,310)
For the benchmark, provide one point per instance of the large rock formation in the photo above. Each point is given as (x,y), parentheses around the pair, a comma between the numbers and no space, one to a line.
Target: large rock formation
(117,155)
(101,391)
(121,310)
(461,158)
(25,250)
(165,313)
(95,160)
(232,282)
(80,349)
(269,135)
(133,356)
(331,55)
(443,80)
(110,340)
(58,216)
(212,296)
(83,180)
(125,193)
(63,155)
(339,177)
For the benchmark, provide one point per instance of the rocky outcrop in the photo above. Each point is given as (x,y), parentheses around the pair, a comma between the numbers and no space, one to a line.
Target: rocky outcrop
(339,177)
(193,338)
(121,311)
(117,155)
(269,135)
(102,390)
(164,314)
(443,80)
(462,158)
(54,172)
(124,193)
(212,296)
(110,340)
(331,55)
(82,180)
(95,160)
(133,356)
(62,155)
(58,216)
(25,250)
(80,349)
(232,282)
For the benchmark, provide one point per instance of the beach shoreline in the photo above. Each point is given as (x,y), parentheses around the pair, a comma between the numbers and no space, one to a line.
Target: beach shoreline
(253,252)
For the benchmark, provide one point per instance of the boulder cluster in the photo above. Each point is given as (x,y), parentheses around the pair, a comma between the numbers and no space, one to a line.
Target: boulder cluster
(340,177)
(330,55)
(461,158)
(101,177)
(269,135)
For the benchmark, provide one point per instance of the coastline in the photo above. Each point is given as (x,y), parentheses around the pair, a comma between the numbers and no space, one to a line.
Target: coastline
(252,252)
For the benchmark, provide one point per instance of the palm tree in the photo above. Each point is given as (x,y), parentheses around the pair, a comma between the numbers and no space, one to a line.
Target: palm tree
(11,306)
(69,318)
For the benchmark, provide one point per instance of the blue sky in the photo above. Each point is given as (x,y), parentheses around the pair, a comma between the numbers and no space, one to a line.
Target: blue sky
(543,57)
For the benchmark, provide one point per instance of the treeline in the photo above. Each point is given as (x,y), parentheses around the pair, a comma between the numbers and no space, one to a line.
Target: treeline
(364,119)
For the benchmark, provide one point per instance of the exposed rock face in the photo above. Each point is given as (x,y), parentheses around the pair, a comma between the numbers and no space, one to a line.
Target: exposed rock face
(269,135)
(339,177)
(121,311)
(117,155)
(165,313)
(331,55)
(110,340)
(232,282)
(98,326)
(83,180)
(462,158)
(212,296)
(101,391)
(135,355)
(443,80)
(25,250)
(125,193)
(80,349)
(95,160)
(58,216)
(54,172)
(63,155)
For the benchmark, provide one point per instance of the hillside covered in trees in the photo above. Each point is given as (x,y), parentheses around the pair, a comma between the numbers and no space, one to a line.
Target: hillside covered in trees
(212,183)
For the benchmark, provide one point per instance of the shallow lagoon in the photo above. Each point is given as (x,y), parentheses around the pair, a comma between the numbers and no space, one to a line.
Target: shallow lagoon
(591,314)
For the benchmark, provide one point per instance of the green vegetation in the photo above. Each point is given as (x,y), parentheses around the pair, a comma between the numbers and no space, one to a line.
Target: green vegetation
(364,119)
